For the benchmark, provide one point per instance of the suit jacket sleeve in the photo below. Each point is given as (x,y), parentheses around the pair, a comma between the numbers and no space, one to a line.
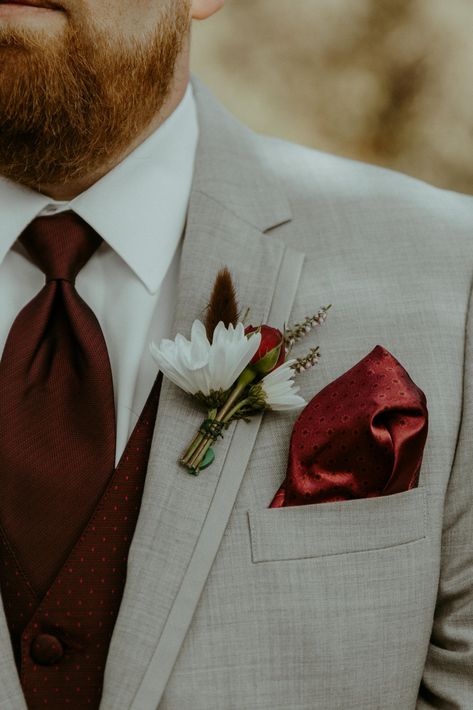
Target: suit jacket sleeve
(447,681)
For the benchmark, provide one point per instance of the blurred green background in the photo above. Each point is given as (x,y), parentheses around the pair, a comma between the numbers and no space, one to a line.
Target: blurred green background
(384,81)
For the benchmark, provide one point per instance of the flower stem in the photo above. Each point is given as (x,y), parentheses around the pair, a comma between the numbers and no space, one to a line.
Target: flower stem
(195,453)
(236,409)
(197,440)
(194,463)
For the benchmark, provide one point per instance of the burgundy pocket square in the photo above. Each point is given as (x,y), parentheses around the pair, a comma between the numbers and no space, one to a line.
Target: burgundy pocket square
(362,436)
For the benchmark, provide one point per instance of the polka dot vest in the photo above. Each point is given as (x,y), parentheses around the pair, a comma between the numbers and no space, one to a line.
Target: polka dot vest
(61,639)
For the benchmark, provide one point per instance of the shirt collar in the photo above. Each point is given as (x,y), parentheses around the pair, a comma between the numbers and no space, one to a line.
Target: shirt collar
(139,208)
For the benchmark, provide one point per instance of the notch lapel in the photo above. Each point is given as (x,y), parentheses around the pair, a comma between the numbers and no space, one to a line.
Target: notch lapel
(183,518)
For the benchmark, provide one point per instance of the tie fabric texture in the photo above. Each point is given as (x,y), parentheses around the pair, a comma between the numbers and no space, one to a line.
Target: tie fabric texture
(362,436)
(57,413)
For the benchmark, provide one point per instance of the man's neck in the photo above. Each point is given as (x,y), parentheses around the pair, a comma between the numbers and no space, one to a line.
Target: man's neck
(67,191)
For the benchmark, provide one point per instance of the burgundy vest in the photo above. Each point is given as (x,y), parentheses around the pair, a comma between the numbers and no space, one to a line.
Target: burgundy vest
(61,641)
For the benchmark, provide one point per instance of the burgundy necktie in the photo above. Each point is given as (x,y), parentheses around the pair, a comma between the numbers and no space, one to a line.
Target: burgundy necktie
(57,414)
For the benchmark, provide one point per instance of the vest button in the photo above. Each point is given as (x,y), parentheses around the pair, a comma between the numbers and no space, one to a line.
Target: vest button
(46,649)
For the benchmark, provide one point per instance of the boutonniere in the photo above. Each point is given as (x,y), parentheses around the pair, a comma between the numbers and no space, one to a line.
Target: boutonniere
(233,371)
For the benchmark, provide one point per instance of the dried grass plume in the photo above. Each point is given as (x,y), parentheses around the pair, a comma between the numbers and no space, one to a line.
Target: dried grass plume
(223,305)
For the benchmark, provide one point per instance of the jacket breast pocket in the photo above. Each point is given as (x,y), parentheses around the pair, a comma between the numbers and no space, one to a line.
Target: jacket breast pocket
(339,528)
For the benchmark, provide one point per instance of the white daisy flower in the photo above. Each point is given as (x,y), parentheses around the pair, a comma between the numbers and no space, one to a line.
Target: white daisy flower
(279,391)
(198,366)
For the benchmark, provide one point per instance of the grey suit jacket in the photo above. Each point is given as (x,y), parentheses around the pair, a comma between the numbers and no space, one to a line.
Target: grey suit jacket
(363,604)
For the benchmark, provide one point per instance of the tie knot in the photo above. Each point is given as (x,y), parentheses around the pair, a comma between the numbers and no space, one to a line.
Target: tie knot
(61,245)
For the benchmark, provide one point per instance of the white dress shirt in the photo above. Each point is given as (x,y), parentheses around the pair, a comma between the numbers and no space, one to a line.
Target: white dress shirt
(139,209)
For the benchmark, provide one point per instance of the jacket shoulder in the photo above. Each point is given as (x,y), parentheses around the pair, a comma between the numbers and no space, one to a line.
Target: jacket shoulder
(312,178)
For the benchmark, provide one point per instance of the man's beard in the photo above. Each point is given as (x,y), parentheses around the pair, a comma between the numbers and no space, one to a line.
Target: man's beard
(69,106)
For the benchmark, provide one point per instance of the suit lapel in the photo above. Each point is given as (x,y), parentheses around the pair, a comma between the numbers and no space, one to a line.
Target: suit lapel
(183,518)
(11,694)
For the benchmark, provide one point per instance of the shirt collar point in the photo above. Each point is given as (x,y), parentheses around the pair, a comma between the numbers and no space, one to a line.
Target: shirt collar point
(151,283)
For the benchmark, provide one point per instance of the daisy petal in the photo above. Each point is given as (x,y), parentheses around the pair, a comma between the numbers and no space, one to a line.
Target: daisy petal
(279,390)
(196,365)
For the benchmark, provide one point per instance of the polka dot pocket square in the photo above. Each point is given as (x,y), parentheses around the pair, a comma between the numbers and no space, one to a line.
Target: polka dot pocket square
(362,436)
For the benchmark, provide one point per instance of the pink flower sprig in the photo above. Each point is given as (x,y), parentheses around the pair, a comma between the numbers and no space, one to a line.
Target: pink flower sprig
(302,364)
(300,330)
